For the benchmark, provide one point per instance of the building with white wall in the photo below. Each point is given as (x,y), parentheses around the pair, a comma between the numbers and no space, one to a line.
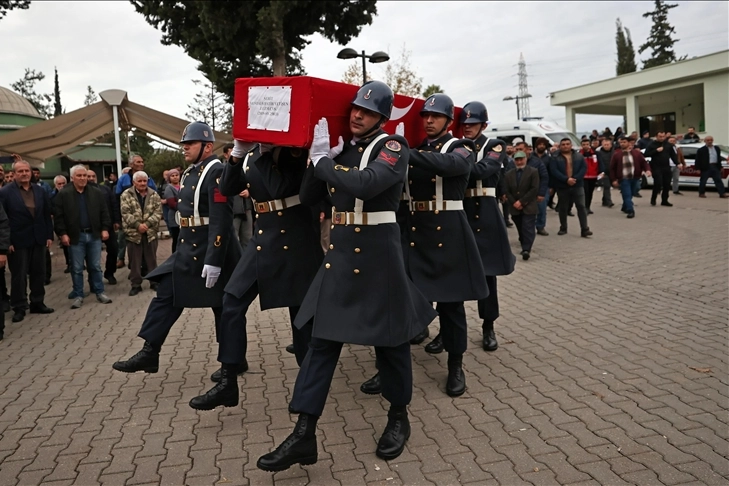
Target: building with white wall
(673,97)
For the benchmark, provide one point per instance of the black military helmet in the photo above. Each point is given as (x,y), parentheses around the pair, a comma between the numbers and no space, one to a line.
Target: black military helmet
(197,132)
(375,96)
(439,103)
(474,112)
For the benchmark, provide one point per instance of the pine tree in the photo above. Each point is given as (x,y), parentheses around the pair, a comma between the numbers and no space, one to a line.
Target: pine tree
(626,54)
(90,97)
(431,90)
(659,40)
(57,108)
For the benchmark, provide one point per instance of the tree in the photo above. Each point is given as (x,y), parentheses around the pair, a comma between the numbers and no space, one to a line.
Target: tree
(25,86)
(626,53)
(659,40)
(258,38)
(91,97)
(210,107)
(353,74)
(8,5)
(401,77)
(57,108)
(431,90)
(161,160)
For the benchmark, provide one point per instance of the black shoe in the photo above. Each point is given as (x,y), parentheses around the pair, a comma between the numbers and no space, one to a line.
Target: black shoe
(653,203)
(40,309)
(224,393)
(435,346)
(631,215)
(570,213)
(489,336)
(1,336)
(6,306)
(290,349)
(678,193)
(395,436)
(420,337)
(47,281)
(68,269)
(298,448)
(562,232)
(611,205)
(19,315)
(146,360)
(590,211)
(525,255)
(586,233)
(637,195)
(111,279)
(542,231)
(242,368)
(666,203)
(456,383)
(134,291)
(373,386)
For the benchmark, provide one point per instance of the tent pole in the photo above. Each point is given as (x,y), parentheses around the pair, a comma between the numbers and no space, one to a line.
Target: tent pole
(117,142)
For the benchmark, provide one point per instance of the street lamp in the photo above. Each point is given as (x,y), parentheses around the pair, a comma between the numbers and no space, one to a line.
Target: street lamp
(349,53)
(517,98)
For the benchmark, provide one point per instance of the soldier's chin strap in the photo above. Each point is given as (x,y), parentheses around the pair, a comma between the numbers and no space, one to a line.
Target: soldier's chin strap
(440,134)
(199,155)
(375,128)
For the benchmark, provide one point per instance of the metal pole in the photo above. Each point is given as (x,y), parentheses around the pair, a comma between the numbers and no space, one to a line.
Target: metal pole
(364,68)
(518,115)
(212,104)
(117,143)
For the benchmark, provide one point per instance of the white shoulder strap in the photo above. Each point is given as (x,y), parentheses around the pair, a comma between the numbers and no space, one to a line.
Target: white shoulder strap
(195,212)
(439,179)
(358,203)
(479,156)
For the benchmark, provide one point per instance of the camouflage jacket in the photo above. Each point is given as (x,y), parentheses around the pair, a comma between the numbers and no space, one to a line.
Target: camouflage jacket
(133,215)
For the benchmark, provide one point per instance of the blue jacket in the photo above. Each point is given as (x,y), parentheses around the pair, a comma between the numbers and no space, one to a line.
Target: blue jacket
(558,170)
(536,162)
(125,182)
(27,231)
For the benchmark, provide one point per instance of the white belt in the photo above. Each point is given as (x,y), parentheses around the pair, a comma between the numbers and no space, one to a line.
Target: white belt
(434,206)
(276,204)
(485,191)
(365,219)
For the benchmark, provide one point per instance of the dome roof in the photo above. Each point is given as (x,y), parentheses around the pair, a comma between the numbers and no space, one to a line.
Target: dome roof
(12,102)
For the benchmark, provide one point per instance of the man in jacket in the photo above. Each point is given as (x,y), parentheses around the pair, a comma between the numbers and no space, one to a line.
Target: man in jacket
(678,163)
(141,210)
(541,152)
(521,186)
(626,170)
(82,221)
(661,153)
(28,208)
(708,161)
(4,247)
(567,172)
(112,245)
(591,174)
(604,155)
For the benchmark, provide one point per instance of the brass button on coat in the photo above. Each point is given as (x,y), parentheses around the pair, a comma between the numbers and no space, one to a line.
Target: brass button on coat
(327,265)
(258,248)
(333,190)
(194,258)
(286,247)
(412,243)
(356,271)
(283,231)
(260,232)
(438,228)
(280,213)
(440,245)
(331,247)
(413,228)
(357,250)
(357,230)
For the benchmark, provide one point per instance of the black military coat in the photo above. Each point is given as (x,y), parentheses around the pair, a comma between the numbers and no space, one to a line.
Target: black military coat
(362,294)
(440,251)
(284,254)
(212,244)
(484,214)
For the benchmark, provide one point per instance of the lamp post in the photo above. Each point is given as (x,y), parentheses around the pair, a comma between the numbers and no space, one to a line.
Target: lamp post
(517,98)
(349,53)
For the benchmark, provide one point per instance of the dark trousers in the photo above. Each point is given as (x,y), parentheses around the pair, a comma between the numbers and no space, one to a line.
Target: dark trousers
(27,266)
(317,370)
(112,249)
(3,285)
(525,225)
(174,234)
(453,327)
(162,314)
(488,308)
(139,254)
(607,198)
(714,173)
(505,210)
(590,185)
(48,264)
(233,338)
(567,197)
(661,183)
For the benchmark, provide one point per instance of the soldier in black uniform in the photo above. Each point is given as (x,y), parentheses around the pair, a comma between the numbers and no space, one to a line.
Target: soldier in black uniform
(277,265)
(361,294)
(440,251)
(196,274)
(485,218)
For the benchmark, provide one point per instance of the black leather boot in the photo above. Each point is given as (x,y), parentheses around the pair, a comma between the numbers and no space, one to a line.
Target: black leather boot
(224,393)
(435,346)
(489,336)
(420,337)
(146,360)
(242,368)
(373,386)
(298,448)
(395,435)
(456,384)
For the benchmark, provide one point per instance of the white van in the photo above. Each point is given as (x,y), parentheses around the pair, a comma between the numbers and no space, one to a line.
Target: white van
(530,129)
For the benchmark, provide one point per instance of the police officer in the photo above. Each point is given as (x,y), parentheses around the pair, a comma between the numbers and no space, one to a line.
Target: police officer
(485,218)
(195,275)
(361,294)
(277,265)
(440,251)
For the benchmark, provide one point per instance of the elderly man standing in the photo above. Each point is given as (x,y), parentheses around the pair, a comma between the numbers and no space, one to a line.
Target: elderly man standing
(141,210)
(82,221)
(125,182)
(31,234)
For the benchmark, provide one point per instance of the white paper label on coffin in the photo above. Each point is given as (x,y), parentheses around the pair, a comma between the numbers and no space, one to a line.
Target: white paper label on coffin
(269,108)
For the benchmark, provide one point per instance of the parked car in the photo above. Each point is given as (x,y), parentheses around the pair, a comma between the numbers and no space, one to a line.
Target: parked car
(689,176)
(530,129)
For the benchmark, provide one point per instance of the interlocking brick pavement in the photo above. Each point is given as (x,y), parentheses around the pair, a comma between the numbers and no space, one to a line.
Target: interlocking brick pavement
(612,369)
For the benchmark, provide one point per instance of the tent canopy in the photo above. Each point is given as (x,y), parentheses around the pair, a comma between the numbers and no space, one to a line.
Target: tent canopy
(57,136)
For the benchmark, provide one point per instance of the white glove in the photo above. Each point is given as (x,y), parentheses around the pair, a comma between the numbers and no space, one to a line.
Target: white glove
(320,143)
(336,150)
(210,274)
(400,129)
(241,148)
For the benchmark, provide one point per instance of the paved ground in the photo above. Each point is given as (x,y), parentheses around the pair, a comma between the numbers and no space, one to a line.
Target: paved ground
(612,370)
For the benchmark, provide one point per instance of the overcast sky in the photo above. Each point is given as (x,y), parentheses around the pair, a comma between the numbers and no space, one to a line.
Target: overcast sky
(470,49)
